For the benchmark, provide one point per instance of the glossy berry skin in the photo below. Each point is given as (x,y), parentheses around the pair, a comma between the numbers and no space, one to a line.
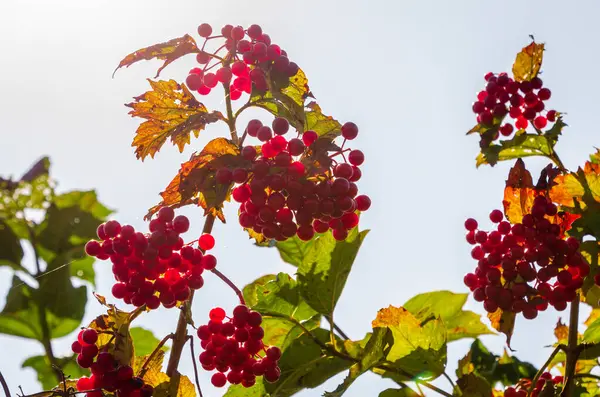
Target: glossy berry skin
(204,30)
(349,130)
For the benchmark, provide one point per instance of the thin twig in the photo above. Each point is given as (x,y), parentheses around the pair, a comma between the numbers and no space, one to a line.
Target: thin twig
(164,340)
(4,385)
(231,285)
(339,330)
(587,376)
(543,367)
(195,365)
(450,380)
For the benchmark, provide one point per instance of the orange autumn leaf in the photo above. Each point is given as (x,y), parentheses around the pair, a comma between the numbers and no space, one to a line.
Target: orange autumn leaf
(568,187)
(168,51)
(195,183)
(504,322)
(528,62)
(519,193)
(171,111)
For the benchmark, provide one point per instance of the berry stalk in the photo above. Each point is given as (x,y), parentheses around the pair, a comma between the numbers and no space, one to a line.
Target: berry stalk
(181,330)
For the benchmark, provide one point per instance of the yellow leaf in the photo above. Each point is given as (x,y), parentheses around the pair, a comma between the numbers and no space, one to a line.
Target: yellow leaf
(594,315)
(528,62)
(153,366)
(171,111)
(178,386)
(196,184)
(168,51)
(503,322)
(561,331)
(518,193)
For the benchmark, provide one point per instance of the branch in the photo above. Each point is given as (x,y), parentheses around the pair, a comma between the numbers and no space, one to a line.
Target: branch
(195,365)
(181,331)
(4,385)
(572,348)
(230,116)
(231,285)
(339,330)
(592,376)
(543,367)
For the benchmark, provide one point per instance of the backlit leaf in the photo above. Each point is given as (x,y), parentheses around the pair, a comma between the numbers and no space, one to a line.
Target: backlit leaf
(418,348)
(258,390)
(293,250)
(503,322)
(523,145)
(150,367)
(326,266)
(448,306)
(326,127)
(11,252)
(568,187)
(178,386)
(83,269)
(168,51)
(195,182)
(473,385)
(144,341)
(171,111)
(528,62)
(278,294)
(561,332)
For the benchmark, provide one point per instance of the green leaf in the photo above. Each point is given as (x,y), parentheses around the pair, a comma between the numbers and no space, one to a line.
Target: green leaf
(504,369)
(523,145)
(63,304)
(371,355)
(11,252)
(84,269)
(293,250)
(592,333)
(474,385)
(258,390)
(144,341)
(323,273)
(404,392)
(303,365)
(326,127)
(46,374)
(277,294)
(448,306)
(418,348)
(87,201)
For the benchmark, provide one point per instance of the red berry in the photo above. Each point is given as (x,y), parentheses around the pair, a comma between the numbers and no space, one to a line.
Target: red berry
(254,319)
(249,152)
(218,379)
(506,129)
(340,234)
(202,57)
(112,228)
(209,262)
(356,157)
(217,314)
(264,133)
(124,373)
(237,33)
(194,81)
(544,94)
(85,383)
(255,32)
(89,336)
(280,125)
(349,130)
(309,137)
(521,123)
(540,122)
(181,224)
(551,115)
(93,248)
(204,30)
(470,224)
(224,75)
(363,202)
(305,232)
(296,147)
(496,216)
(478,107)
(210,80)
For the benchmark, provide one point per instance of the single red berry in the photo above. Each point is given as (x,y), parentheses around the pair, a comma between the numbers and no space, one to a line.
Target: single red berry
(488,76)
(296,147)
(209,262)
(363,202)
(486,118)
(506,129)
(224,75)
(356,157)
(478,107)
(255,32)
(112,228)
(521,123)
(181,224)
(237,33)
(264,133)
(194,81)
(124,373)
(544,94)
(309,137)
(217,314)
(496,216)
(93,248)
(202,57)
(254,319)
(85,383)
(551,115)
(244,46)
(204,30)
(470,224)
(343,170)
(540,122)
(349,130)
(239,69)
(89,336)
(166,214)
(218,379)
(210,80)
(206,242)
(280,125)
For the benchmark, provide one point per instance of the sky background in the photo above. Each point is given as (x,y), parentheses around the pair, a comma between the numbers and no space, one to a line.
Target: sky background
(405,71)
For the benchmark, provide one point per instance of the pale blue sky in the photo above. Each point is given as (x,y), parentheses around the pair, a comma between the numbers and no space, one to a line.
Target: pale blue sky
(405,71)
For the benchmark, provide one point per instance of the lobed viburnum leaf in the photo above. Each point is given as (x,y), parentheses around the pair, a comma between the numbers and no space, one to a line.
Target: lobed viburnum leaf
(417,349)
(195,182)
(528,62)
(523,145)
(171,112)
(168,51)
(447,306)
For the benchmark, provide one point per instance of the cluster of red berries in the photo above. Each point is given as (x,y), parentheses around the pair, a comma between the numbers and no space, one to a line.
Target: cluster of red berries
(156,268)
(280,198)
(259,58)
(522,101)
(107,374)
(545,378)
(232,347)
(526,266)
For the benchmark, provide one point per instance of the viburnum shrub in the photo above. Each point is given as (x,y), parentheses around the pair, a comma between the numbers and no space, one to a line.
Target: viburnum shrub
(293,178)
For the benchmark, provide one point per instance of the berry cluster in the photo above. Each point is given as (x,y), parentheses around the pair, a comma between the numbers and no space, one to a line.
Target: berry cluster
(545,378)
(522,101)
(107,374)
(526,266)
(156,268)
(232,347)
(259,58)
(281,198)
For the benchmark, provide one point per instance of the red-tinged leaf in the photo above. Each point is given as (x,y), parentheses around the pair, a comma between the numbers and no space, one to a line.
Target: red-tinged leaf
(518,193)
(503,322)
(195,183)
(528,62)
(168,51)
(171,111)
